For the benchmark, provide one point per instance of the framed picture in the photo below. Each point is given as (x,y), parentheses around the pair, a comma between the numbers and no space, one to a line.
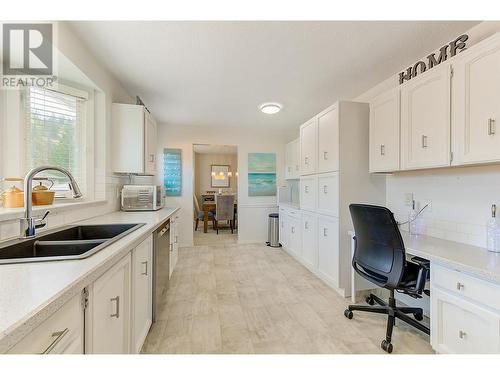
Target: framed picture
(220,176)
(261,174)
(172,172)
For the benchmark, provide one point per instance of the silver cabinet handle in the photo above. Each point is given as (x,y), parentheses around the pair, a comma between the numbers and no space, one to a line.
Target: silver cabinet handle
(293,229)
(325,189)
(460,286)
(306,160)
(176,238)
(306,225)
(145,263)
(151,157)
(491,126)
(424,141)
(325,232)
(382,150)
(462,334)
(306,189)
(325,155)
(117,313)
(171,247)
(58,336)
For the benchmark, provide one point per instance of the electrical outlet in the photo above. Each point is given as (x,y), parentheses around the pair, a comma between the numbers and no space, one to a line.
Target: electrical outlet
(408,199)
(427,202)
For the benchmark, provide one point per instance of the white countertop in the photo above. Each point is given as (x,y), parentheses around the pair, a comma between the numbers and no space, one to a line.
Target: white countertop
(31,292)
(474,260)
(295,206)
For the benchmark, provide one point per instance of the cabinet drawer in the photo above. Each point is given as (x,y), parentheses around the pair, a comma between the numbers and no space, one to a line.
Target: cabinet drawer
(308,192)
(462,327)
(467,286)
(60,333)
(328,194)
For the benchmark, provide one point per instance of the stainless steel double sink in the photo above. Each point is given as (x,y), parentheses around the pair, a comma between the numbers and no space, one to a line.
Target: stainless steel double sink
(71,242)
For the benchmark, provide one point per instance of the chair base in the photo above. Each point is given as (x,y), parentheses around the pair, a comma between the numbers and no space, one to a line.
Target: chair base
(393,313)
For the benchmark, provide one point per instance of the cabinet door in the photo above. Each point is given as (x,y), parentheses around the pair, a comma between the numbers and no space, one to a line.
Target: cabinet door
(61,333)
(295,151)
(288,161)
(142,301)
(308,147)
(294,238)
(150,144)
(461,327)
(328,140)
(283,228)
(328,249)
(310,240)
(475,103)
(110,310)
(308,192)
(425,120)
(328,194)
(384,132)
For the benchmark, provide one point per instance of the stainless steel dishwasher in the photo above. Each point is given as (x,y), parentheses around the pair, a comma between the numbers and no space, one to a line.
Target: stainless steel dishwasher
(161,271)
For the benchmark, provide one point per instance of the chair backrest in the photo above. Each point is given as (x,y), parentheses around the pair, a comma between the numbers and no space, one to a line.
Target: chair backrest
(224,207)
(379,255)
(196,204)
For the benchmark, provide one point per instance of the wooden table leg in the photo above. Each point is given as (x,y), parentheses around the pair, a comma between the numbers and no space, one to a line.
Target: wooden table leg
(205,221)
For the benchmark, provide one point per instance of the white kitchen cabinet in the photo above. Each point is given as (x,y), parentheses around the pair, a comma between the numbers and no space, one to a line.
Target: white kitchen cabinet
(328,194)
(61,333)
(475,104)
(283,232)
(425,120)
(384,132)
(294,233)
(328,140)
(309,147)
(142,281)
(134,139)
(310,240)
(174,243)
(108,314)
(292,160)
(328,249)
(308,192)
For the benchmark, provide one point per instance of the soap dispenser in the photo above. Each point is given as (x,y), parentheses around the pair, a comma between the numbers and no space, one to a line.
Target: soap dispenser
(493,231)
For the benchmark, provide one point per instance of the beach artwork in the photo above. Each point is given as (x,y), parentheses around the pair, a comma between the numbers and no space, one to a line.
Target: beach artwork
(261,174)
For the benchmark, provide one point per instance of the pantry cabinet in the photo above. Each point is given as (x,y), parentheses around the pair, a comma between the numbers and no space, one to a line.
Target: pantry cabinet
(109,311)
(292,160)
(475,102)
(384,132)
(425,120)
(328,194)
(328,140)
(308,147)
(294,233)
(328,249)
(142,281)
(134,141)
(308,192)
(309,240)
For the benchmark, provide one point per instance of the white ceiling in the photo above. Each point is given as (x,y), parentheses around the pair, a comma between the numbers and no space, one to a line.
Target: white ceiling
(215,149)
(217,73)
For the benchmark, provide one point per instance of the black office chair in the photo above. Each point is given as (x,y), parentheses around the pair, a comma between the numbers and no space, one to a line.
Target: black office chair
(380,257)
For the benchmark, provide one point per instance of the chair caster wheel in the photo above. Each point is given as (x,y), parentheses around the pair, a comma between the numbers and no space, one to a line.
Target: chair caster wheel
(348,314)
(369,300)
(386,346)
(418,316)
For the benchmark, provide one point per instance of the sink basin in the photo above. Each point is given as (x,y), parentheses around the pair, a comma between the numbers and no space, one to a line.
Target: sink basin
(74,242)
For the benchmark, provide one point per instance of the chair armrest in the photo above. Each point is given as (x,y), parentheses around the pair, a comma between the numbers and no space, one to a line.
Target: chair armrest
(422,262)
(423,273)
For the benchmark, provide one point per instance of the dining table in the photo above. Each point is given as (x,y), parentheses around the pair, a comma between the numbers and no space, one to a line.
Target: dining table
(207,207)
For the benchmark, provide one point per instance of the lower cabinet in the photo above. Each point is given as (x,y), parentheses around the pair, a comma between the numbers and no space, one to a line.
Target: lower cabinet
(61,333)
(461,322)
(142,293)
(310,240)
(328,249)
(108,314)
(174,243)
(294,234)
(283,222)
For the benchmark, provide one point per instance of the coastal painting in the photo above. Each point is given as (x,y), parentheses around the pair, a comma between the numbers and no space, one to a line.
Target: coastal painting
(261,174)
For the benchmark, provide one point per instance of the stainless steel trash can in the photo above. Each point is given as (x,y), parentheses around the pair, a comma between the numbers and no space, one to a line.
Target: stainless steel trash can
(273,233)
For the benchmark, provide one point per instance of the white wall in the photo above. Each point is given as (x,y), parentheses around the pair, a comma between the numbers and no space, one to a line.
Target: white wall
(203,172)
(252,211)
(461,197)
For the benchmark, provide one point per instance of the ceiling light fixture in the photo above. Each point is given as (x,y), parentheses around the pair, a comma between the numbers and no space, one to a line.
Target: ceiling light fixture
(270,108)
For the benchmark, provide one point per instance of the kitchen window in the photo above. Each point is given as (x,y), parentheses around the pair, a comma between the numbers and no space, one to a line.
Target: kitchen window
(57,134)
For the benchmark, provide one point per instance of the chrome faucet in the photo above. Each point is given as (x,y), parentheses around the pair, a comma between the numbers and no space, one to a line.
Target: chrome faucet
(29,224)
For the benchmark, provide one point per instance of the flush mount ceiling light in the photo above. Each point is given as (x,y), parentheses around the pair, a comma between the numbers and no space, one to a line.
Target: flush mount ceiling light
(270,108)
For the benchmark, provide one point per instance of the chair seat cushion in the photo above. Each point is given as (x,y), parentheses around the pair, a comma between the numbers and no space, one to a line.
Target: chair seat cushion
(201,215)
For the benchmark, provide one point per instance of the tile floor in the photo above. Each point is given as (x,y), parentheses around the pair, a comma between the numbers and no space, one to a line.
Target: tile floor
(252,299)
(212,238)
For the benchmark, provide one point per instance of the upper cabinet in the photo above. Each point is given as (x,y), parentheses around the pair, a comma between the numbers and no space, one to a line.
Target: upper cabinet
(328,140)
(425,120)
(384,132)
(476,104)
(308,146)
(292,160)
(134,139)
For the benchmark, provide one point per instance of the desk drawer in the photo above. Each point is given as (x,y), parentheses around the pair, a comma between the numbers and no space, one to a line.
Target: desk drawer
(461,327)
(467,286)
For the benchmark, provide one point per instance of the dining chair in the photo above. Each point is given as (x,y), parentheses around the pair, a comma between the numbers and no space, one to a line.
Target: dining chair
(224,210)
(200,214)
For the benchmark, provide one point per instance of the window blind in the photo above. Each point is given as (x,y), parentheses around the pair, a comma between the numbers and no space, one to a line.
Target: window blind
(55,134)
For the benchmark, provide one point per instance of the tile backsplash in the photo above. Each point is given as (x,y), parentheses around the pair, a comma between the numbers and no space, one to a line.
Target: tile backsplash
(461,200)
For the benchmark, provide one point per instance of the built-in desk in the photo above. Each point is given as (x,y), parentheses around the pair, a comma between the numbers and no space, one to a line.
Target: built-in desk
(465,294)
